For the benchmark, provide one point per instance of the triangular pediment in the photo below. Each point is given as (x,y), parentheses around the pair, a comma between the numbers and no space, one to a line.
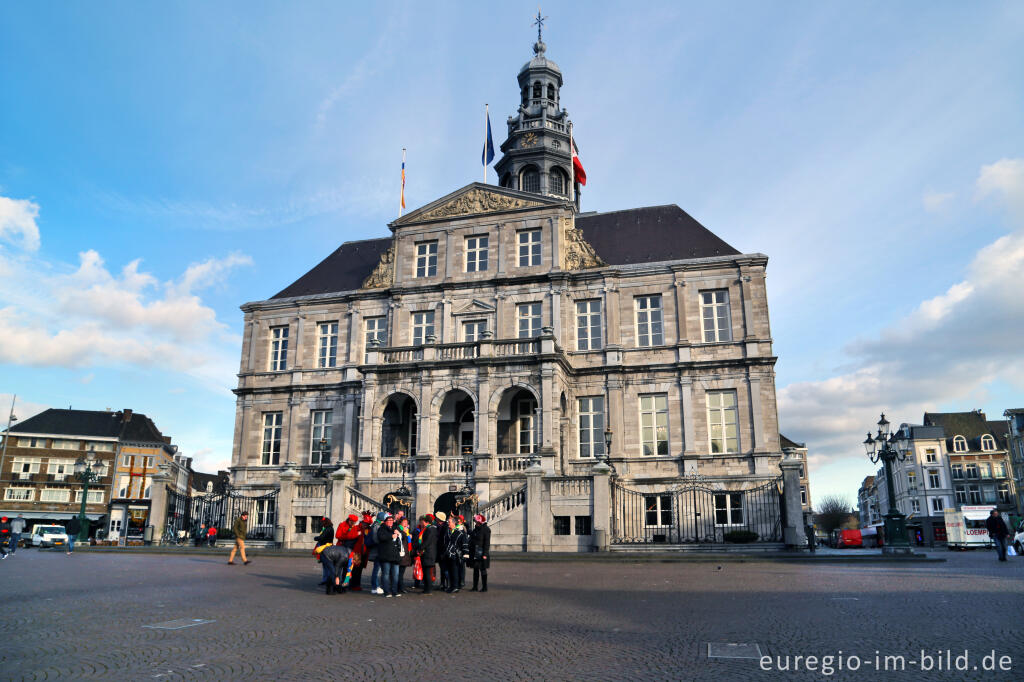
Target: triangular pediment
(477,199)
(474,307)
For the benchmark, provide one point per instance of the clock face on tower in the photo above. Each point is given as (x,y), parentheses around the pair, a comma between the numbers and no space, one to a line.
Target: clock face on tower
(529,139)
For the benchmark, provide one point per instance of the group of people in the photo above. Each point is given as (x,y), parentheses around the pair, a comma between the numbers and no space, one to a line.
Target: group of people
(10,534)
(438,549)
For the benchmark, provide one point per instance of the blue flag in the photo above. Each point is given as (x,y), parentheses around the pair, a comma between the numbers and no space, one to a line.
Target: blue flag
(487,155)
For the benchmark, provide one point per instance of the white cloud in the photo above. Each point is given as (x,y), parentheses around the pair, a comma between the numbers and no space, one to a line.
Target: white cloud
(935,202)
(22,409)
(18,219)
(951,348)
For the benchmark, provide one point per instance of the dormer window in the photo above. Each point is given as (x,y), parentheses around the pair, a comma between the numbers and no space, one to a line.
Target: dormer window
(537,90)
(959,444)
(988,443)
(557,181)
(551,92)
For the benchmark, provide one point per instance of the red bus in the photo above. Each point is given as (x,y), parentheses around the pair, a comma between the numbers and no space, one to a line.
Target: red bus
(846,538)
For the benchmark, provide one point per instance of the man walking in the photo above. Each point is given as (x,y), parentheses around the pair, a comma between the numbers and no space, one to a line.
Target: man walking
(240,528)
(17,528)
(72,529)
(998,531)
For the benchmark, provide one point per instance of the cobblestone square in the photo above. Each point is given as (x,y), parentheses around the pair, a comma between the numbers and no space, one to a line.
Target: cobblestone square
(91,616)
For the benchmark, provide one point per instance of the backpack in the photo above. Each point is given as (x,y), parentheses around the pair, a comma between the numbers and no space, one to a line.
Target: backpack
(371,538)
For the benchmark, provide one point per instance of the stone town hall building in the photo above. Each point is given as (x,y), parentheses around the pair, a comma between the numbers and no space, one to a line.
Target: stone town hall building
(501,327)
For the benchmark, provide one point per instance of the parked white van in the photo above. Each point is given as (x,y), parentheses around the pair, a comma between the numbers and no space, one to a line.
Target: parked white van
(965,527)
(49,536)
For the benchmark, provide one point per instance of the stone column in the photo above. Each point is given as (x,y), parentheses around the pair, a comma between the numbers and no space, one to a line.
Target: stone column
(336,495)
(680,296)
(612,314)
(354,346)
(285,504)
(793,533)
(688,415)
(602,504)
(757,421)
(615,416)
(300,330)
(351,439)
(158,501)
(536,511)
(749,330)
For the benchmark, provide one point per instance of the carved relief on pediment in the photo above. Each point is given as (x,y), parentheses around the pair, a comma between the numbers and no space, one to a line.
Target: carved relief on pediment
(384,274)
(578,254)
(477,201)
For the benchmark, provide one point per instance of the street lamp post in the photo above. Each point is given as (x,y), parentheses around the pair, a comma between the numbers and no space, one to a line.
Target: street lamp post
(84,473)
(881,448)
(605,457)
(324,459)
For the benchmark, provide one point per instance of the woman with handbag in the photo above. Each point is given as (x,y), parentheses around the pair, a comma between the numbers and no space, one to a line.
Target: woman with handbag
(480,552)
(405,560)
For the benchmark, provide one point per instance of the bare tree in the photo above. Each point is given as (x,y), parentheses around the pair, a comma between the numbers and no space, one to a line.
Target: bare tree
(833,511)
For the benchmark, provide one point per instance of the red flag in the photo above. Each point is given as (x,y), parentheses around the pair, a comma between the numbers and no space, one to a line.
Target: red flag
(577,167)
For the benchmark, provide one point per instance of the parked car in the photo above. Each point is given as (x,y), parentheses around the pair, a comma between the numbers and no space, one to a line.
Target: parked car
(846,538)
(49,536)
(1018,539)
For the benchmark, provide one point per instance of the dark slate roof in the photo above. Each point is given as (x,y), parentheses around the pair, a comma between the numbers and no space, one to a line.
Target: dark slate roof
(344,270)
(970,425)
(636,235)
(199,481)
(787,443)
(96,423)
(650,235)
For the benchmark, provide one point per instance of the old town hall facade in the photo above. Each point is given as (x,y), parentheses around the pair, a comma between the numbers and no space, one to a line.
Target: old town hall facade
(578,377)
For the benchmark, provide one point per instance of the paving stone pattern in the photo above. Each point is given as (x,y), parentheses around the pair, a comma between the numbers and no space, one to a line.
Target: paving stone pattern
(85,616)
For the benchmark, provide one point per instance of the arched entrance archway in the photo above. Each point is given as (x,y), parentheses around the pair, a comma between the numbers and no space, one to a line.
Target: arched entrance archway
(518,427)
(456,427)
(399,427)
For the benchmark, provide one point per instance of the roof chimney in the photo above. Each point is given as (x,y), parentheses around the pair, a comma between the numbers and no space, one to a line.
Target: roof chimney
(126,415)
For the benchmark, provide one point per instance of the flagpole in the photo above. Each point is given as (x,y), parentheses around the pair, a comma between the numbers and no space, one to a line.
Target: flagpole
(401,200)
(572,166)
(486,117)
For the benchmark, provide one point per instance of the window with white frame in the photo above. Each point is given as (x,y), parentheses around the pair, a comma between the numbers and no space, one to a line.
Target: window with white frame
(54,495)
(985,470)
(278,349)
(60,468)
(529,248)
(31,442)
(24,467)
(528,320)
(375,329)
(998,470)
(145,493)
(591,432)
(648,321)
(957,471)
(938,504)
(95,496)
(654,424)
(988,494)
(265,512)
(723,418)
(271,453)
(988,443)
(728,509)
(657,510)
(803,495)
(961,494)
(525,425)
(915,505)
(911,480)
(473,330)
(588,325)
(959,444)
(16,494)
(929,456)
(327,344)
(1004,492)
(476,254)
(971,470)
(320,436)
(716,321)
(422,327)
(65,444)
(100,446)
(934,480)
(974,493)
(426,259)
(122,486)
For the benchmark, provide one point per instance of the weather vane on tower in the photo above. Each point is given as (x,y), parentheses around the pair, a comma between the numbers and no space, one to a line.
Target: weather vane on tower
(539,23)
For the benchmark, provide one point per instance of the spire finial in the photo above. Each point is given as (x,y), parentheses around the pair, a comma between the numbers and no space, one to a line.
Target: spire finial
(539,46)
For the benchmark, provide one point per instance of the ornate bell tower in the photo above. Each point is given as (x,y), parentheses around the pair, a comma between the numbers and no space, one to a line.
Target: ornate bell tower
(536,156)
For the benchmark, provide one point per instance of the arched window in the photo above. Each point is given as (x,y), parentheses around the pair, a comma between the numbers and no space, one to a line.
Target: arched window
(531,180)
(537,91)
(506,180)
(988,443)
(551,92)
(526,93)
(959,444)
(557,184)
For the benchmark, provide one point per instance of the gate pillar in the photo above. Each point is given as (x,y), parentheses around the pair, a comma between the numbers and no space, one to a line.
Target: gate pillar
(535,512)
(793,533)
(285,500)
(602,505)
(158,502)
(336,501)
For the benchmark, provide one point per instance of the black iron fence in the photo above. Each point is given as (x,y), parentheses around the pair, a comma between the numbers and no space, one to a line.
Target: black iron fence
(697,513)
(219,511)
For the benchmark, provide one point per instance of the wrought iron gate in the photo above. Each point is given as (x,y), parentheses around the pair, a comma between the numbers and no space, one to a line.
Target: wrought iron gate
(696,513)
(220,511)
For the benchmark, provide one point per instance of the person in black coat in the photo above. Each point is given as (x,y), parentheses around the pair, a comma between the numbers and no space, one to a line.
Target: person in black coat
(335,561)
(426,549)
(389,552)
(326,537)
(998,531)
(480,552)
(73,528)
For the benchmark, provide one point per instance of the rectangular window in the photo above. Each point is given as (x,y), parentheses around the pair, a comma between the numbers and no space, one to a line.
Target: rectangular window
(422,327)
(971,470)
(473,330)
(300,524)
(958,471)
(95,496)
(934,481)
(974,493)
(803,495)
(426,259)
(648,321)
(938,504)
(529,248)
(320,436)
(1004,492)
(19,494)
(989,493)
(265,512)
(657,510)
(278,349)
(591,427)
(272,437)
(929,456)
(714,315)
(24,467)
(476,254)
(528,316)
(327,344)
(99,447)
(723,417)
(915,505)
(998,470)
(374,329)
(583,525)
(62,444)
(60,469)
(984,470)
(654,424)
(54,495)
(961,494)
(588,325)
(31,442)
(728,509)
(911,480)
(562,525)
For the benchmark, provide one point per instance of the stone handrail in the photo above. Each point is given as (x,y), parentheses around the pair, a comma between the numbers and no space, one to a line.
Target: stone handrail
(513,463)
(578,486)
(517,347)
(359,502)
(505,504)
(390,356)
(449,465)
(458,351)
(310,491)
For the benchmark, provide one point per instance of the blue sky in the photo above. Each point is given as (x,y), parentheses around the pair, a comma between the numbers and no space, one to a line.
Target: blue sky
(160,164)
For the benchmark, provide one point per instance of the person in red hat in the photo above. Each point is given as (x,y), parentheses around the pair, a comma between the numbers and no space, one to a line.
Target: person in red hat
(350,534)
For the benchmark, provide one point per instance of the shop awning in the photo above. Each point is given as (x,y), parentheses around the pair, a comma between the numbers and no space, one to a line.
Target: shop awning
(48,515)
